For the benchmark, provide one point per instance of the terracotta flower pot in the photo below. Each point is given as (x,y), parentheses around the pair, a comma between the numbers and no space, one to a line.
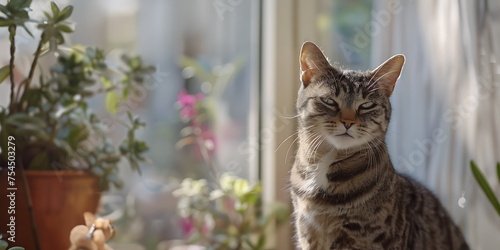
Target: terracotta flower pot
(59,200)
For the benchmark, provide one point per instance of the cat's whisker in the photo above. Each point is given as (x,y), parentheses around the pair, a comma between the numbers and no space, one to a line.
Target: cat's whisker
(306,139)
(304,130)
(317,147)
(374,74)
(289,147)
(296,133)
(373,90)
(316,66)
(291,117)
(370,85)
(312,150)
(311,146)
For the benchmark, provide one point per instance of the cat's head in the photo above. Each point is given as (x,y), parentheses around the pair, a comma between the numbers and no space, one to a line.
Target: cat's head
(348,108)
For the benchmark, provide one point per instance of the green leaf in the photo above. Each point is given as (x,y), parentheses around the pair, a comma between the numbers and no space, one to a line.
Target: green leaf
(140,147)
(40,162)
(4,73)
(32,96)
(4,134)
(59,37)
(124,147)
(27,30)
(64,28)
(55,8)
(76,135)
(106,82)
(261,242)
(47,15)
(498,171)
(112,159)
(26,4)
(63,145)
(251,198)
(250,244)
(64,14)
(115,180)
(3,245)
(97,171)
(130,117)
(134,165)
(22,119)
(32,131)
(16,248)
(485,186)
(125,93)
(4,9)
(22,16)
(112,102)
(14,5)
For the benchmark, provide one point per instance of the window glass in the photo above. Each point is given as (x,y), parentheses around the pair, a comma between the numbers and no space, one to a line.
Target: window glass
(205,49)
(344,31)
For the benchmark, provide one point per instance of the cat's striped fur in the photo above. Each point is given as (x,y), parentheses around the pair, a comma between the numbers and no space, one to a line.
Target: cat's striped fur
(345,192)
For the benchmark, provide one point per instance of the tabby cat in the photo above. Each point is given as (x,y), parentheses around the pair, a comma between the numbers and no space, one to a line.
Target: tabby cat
(345,192)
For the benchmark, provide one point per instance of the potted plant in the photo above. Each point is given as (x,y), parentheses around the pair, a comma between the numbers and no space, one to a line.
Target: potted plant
(50,140)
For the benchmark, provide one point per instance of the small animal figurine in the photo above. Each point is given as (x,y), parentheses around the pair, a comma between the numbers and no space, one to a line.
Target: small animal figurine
(93,235)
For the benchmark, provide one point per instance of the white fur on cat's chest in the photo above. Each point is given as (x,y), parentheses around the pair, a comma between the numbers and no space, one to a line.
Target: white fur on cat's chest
(316,178)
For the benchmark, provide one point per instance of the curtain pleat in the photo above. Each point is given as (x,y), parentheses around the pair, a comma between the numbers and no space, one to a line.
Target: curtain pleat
(446,105)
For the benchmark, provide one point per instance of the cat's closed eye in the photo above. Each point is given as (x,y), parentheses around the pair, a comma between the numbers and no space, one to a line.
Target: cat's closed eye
(367,105)
(329,101)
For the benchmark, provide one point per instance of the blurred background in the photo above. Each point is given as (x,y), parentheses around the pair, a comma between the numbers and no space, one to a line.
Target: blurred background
(241,58)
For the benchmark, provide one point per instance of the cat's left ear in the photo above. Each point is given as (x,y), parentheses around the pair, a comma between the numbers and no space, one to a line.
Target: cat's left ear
(312,63)
(388,73)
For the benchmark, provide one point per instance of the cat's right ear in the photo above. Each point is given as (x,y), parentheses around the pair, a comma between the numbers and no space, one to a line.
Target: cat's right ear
(312,62)
(388,73)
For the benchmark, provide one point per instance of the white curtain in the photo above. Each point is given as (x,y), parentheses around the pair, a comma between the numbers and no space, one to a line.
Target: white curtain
(446,103)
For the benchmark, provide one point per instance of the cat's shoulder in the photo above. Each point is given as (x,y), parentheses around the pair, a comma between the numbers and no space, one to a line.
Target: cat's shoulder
(415,193)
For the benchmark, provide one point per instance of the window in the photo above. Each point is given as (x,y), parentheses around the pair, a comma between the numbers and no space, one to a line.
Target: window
(208,48)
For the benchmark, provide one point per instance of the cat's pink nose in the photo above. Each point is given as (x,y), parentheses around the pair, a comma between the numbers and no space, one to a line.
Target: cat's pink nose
(348,117)
(347,123)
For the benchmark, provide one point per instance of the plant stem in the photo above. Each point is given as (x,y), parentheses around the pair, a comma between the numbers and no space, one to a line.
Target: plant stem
(12,34)
(30,205)
(206,157)
(28,80)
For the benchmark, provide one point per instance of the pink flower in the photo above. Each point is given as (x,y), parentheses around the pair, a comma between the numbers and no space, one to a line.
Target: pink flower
(188,112)
(188,102)
(187,226)
(185,99)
